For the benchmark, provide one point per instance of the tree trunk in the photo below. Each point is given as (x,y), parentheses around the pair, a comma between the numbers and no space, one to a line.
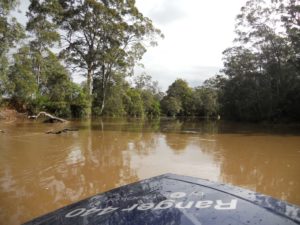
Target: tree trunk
(104,82)
(103,102)
(90,91)
(90,82)
(38,77)
(51,118)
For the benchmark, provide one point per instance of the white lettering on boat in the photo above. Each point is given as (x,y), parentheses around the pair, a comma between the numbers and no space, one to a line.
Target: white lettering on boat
(146,206)
(203,204)
(90,211)
(223,206)
(230,204)
(130,208)
(165,204)
(107,210)
(177,195)
(76,212)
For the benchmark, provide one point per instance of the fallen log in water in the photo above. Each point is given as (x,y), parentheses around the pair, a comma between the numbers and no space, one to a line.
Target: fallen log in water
(61,131)
(51,118)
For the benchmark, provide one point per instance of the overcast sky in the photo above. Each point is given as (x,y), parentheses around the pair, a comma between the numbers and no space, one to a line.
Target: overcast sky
(196,33)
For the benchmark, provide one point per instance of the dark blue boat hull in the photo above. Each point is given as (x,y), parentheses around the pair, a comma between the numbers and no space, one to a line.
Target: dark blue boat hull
(175,200)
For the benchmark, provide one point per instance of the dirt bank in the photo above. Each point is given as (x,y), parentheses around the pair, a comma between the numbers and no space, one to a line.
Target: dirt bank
(10,114)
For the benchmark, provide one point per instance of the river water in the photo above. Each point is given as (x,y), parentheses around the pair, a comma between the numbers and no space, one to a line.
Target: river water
(41,172)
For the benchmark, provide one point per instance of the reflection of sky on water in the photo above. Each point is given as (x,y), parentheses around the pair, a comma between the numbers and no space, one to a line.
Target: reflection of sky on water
(176,157)
(7,180)
(75,156)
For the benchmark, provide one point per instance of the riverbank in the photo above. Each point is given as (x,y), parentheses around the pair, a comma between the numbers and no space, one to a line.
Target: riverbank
(11,114)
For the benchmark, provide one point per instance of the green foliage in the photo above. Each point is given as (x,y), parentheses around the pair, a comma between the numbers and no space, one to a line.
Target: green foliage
(134,103)
(7,5)
(179,97)
(114,106)
(263,78)
(77,100)
(43,30)
(73,104)
(292,23)
(171,106)
(10,33)
(3,76)
(21,80)
(151,104)
(64,97)
(123,100)
(10,30)
(145,82)
(179,89)
(101,38)
(205,102)
(182,100)
(52,91)
(150,94)
(105,39)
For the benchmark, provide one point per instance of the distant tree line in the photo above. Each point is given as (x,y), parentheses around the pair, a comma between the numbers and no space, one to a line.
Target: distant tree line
(182,100)
(104,39)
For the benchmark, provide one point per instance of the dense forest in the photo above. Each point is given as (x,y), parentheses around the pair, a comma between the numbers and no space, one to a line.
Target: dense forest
(105,39)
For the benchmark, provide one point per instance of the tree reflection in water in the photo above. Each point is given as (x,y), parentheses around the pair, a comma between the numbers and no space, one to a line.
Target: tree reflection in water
(40,172)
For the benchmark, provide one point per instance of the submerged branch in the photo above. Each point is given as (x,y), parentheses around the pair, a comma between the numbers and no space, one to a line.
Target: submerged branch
(62,131)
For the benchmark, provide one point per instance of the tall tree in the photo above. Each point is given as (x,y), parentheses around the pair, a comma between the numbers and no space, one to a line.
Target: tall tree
(44,36)
(99,37)
(10,30)
(150,93)
(291,20)
(262,67)
(178,99)
(58,93)
(23,88)
(10,33)
(180,90)
(205,102)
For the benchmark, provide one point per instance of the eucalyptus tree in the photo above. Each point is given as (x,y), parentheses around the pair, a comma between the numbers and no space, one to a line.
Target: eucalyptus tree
(99,37)
(21,80)
(262,67)
(150,93)
(171,106)
(10,33)
(10,30)
(181,91)
(43,37)
(178,101)
(205,101)
(291,19)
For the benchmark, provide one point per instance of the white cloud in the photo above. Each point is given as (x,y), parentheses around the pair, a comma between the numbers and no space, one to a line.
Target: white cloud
(166,11)
(196,33)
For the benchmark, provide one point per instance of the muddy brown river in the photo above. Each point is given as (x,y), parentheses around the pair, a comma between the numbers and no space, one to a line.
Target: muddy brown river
(41,172)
